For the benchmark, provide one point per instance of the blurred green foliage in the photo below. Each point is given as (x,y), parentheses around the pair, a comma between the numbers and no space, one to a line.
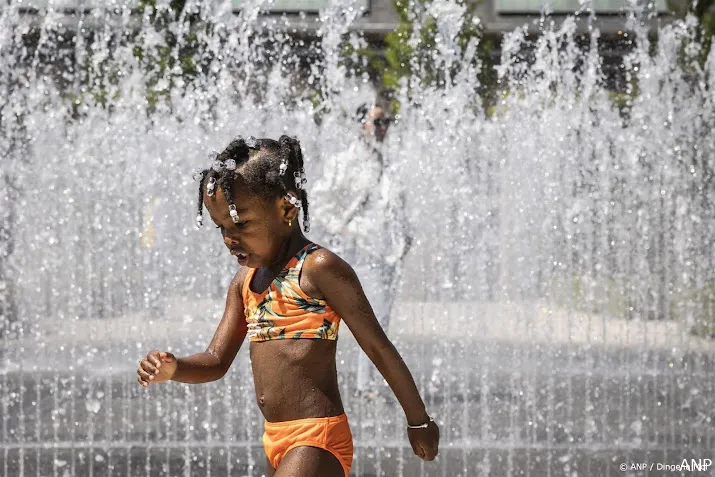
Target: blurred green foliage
(177,57)
(409,50)
(696,306)
(704,11)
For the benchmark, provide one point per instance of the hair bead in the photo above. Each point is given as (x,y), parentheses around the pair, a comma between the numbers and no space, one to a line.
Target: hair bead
(234,213)
(217,165)
(293,200)
(285,153)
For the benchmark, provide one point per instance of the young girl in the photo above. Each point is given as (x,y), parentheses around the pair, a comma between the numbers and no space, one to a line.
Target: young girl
(288,297)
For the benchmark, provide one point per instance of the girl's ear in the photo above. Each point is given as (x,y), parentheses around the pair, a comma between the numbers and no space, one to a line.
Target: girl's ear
(288,211)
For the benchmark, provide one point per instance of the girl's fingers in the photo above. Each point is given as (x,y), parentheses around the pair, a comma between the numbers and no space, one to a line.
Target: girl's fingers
(419,451)
(154,359)
(415,448)
(149,368)
(426,453)
(431,453)
(144,375)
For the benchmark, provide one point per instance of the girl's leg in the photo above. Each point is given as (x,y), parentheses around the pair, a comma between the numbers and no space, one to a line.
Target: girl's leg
(270,471)
(308,461)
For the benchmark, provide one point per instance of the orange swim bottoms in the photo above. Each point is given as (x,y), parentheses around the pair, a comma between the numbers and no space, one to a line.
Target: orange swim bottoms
(329,433)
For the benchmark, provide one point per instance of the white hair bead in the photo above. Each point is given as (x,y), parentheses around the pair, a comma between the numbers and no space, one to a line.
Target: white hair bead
(234,213)
(292,200)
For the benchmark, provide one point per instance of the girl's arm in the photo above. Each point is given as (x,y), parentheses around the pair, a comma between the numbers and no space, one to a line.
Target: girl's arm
(339,284)
(213,363)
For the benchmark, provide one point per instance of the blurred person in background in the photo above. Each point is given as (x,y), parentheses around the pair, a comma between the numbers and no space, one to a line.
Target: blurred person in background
(364,203)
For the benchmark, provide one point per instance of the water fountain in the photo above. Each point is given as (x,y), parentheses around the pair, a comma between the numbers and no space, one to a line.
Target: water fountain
(562,255)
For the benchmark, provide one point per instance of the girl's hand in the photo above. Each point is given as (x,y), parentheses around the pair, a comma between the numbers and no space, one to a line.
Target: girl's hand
(425,442)
(156,367)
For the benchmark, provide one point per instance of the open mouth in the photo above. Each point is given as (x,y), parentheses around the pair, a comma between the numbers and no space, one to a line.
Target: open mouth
(239,255)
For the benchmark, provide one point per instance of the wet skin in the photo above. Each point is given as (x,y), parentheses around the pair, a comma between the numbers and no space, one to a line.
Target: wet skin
(266,238)
(309,385)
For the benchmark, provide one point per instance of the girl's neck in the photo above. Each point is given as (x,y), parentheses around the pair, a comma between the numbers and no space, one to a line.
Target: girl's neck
(291,245)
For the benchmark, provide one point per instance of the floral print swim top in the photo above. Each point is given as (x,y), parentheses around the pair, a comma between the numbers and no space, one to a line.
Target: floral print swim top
(284,311)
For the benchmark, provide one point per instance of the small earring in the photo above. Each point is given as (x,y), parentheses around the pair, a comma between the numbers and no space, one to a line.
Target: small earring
(290,223)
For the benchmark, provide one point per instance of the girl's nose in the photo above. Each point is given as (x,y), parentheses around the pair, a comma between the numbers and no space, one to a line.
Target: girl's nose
(229,241)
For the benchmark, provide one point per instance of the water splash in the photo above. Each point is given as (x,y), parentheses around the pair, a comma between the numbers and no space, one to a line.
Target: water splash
(560,257)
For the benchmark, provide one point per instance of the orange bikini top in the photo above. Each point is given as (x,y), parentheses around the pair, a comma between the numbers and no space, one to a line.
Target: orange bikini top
(284,311)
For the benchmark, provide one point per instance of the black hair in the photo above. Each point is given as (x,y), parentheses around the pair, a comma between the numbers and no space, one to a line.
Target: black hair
(258,163)
(361,113)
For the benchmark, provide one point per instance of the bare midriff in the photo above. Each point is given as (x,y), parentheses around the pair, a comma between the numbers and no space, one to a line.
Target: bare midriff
(296,379)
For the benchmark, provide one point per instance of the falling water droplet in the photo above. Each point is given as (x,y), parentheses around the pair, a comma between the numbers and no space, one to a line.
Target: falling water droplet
(93,405)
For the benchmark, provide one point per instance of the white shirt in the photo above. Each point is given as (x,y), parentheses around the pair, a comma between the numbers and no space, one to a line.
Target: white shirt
(361,207)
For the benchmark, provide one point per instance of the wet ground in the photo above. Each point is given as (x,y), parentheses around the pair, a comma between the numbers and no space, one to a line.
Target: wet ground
(506,407)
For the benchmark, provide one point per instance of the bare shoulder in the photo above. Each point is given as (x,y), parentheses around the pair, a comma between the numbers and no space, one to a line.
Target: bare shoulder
(324,262)
(322,270)
(335,281)
(238,280)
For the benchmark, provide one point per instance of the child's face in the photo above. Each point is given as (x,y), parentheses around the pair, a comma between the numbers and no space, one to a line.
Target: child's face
(262,228)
